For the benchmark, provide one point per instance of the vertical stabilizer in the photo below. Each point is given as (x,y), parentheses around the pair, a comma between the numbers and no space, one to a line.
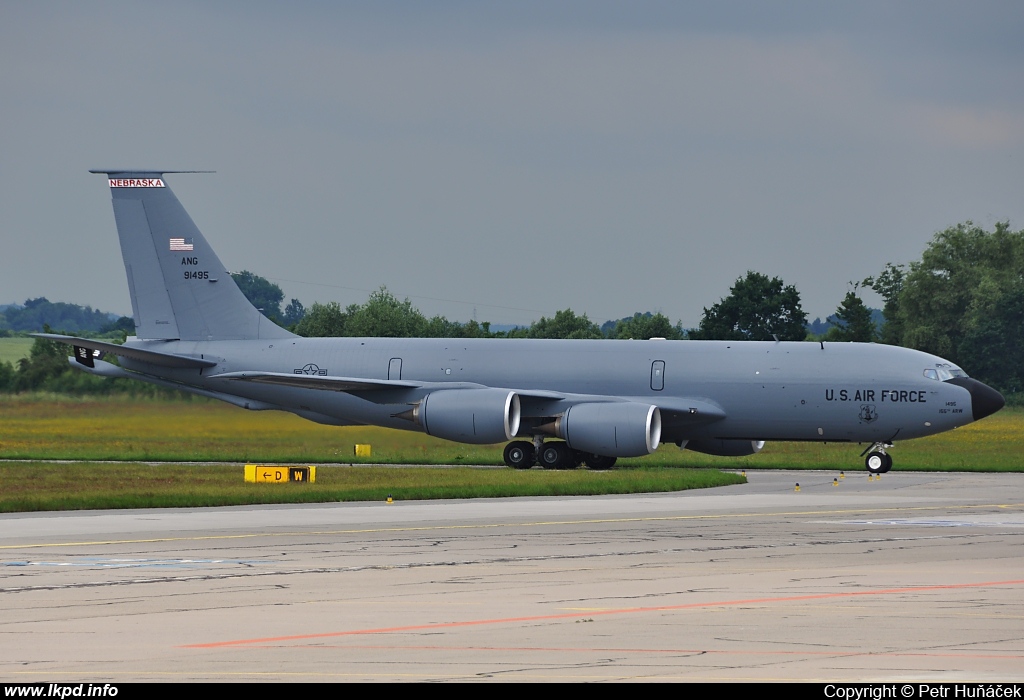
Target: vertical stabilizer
(179,287)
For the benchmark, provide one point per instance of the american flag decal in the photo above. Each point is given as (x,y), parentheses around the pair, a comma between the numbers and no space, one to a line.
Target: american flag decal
(181,244)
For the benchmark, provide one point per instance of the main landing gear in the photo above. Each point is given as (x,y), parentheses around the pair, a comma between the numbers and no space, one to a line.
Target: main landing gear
(878,460)
(521,454)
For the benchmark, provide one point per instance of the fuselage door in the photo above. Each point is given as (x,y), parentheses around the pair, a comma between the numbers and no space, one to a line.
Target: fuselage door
(658,375)
(395,368)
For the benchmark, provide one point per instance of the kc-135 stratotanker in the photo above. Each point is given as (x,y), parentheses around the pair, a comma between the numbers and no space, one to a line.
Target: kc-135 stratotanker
(559,403)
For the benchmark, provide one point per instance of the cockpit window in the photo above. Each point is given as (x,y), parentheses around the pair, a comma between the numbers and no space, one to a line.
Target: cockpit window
(944,372)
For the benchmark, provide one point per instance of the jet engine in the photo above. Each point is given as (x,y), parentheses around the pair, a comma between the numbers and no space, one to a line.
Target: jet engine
(621,429)
(724,448)
(478,416)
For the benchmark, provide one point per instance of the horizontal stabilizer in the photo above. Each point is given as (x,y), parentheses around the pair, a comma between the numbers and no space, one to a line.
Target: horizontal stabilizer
(152,357)
(105,369)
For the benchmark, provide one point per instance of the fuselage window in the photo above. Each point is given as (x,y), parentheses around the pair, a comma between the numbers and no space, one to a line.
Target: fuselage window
(931,374)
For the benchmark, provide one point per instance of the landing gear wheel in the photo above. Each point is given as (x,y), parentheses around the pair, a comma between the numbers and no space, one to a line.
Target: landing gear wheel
(556,455)
(878,462)
(600,462)
(519,454)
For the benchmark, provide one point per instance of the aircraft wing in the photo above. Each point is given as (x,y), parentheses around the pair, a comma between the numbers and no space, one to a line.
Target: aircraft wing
(312,381)
(357,384)
(675,410)
(153,357)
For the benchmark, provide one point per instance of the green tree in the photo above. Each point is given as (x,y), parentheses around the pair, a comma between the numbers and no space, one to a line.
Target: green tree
(993,346)
(384,316)
(966,280)
(644,326)
(7,377)
(261,293)
(323,321)
(889,285)
(853,322)
(757,308)
(293,313)
(47,360)
(67,318)
(440,327)
(472,329)
(123,327)
(564,324)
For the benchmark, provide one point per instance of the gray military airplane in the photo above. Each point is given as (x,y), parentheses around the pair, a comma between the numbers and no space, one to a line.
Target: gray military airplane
(603,399)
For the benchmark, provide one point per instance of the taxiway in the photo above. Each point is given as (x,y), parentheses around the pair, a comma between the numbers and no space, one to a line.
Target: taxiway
(912,577)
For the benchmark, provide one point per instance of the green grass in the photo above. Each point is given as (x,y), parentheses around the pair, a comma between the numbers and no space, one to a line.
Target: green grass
(13,349)
(34,427)
(33,486)
(134,430)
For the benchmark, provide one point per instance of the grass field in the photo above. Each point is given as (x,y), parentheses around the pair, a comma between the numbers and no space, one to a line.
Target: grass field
(32,486)
(13,349)
(113,428)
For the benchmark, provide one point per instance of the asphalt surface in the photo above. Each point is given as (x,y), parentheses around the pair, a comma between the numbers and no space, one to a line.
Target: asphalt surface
(913,577)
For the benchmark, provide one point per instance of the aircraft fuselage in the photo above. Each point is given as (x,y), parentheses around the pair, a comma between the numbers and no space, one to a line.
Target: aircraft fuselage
(767,391)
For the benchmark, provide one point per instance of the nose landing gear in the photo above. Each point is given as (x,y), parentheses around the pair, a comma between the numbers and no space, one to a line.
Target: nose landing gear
(878,460)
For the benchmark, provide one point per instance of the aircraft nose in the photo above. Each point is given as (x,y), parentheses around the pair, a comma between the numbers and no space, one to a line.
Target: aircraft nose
(984,399)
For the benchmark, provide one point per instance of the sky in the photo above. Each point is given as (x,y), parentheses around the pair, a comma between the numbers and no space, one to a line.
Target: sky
(507,160)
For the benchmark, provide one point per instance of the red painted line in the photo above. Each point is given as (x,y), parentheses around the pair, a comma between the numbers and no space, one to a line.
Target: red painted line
(594,613)
(629,650)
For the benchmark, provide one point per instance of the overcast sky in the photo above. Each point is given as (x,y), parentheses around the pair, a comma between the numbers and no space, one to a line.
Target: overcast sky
(514,158)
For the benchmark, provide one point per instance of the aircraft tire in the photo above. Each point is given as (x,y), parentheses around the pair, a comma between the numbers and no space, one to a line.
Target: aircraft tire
(519,454)
(556,455)
(600,462)
(878,462)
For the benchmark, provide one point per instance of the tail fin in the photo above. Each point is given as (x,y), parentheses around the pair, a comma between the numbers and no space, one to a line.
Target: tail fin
(179,288)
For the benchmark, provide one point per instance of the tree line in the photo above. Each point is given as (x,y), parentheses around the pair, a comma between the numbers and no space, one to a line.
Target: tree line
(963,300)
(72,318)
(385,316)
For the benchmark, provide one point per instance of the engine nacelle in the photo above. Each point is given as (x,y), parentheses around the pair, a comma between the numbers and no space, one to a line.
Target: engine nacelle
(724,448)
(623,429)
(478,416)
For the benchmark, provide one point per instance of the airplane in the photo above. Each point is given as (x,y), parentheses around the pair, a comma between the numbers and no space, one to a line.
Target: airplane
(559,403)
